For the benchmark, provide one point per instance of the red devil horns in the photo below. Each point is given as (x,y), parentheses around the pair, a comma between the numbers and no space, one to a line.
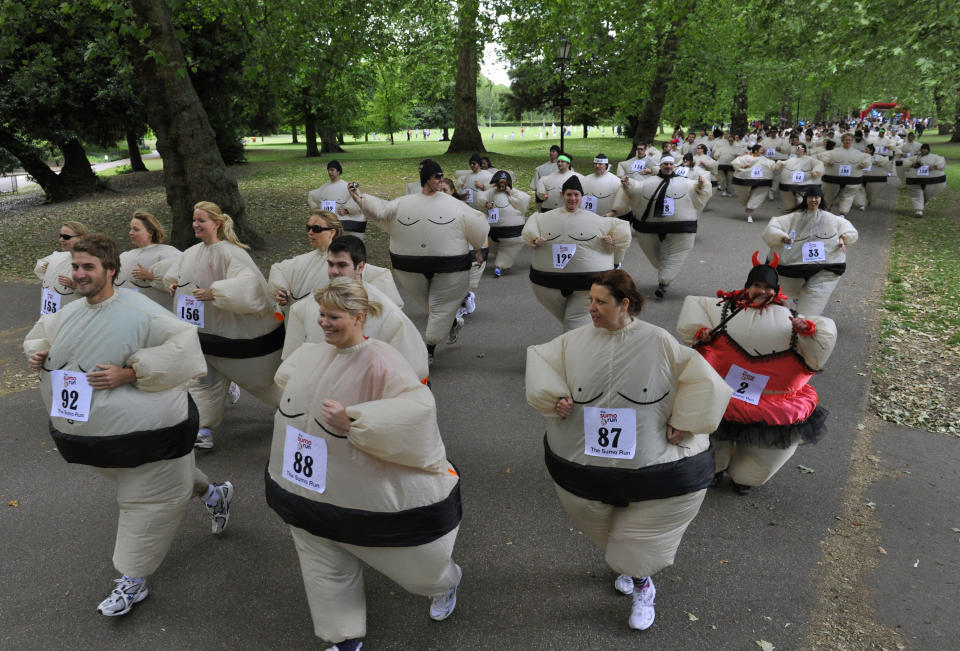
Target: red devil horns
(773,264)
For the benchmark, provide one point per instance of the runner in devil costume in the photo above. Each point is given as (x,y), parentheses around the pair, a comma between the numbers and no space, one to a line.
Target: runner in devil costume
(767,354)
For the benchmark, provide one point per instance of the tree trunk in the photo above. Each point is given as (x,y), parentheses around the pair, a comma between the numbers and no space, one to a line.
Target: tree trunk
(632,123)
(193,169)
(466,132)
(340,138)
(133,148)
(738,114)
(446,134)
(822,108)
(328,140)
(586,128)
(310,135)
(293,133)
(75,178)
(956,121)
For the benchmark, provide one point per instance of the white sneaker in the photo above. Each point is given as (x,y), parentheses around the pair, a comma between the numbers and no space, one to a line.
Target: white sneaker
(220,512)
(455,330)
(470,302)
(353,644)
(442,607)
(862,208)
(624,584)
(461,312)
(919,213)
(121,600)
(642,614)
(204,439)
(749,219)
(234,393)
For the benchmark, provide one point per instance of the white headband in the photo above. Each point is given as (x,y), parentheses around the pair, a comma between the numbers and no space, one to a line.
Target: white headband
(601,160)
(667,159)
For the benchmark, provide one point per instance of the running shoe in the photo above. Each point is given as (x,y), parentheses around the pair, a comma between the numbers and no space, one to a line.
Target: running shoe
(624,584)
(220,512)
(234,393)
(470,302)
(455,330)
(353,644)
(442,607)
(127,593)
(204,439)
(642,613)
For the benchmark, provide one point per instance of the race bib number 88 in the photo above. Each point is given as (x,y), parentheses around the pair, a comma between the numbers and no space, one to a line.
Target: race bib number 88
(305,460)
(610,433)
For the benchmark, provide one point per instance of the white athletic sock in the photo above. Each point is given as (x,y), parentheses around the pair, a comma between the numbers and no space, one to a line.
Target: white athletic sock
(212,496)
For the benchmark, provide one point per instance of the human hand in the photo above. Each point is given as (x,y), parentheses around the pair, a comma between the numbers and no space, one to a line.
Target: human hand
(677,436)
(564,407)
(335,414)
(540,241)
(37,359)
(66,281)
(281,297)
(110,377)
(141,273)
(203,294)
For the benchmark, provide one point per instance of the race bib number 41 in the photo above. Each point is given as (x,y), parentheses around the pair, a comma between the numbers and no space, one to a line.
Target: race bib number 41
(756,172)
(305,460)
(71,395)
(190,309)
(610,433)
(493,215)
(563,254)
(747,386)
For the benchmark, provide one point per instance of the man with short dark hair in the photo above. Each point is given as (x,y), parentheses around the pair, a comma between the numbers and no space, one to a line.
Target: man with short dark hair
(335,197)
(546,169)
(115,369)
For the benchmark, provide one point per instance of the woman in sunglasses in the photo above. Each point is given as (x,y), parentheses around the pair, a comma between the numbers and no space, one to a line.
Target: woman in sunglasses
(55,271)
(292,279)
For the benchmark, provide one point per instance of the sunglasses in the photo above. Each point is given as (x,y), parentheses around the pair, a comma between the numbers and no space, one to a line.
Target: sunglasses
(319,229)
(437,176)
(64,236)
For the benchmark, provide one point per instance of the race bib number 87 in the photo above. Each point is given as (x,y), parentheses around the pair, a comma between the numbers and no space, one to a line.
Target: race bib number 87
(610,433)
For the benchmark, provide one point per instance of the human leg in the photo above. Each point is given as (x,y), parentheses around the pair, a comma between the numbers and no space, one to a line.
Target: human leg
(754,465)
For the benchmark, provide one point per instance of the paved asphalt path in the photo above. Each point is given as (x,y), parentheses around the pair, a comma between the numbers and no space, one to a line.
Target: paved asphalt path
(746,569)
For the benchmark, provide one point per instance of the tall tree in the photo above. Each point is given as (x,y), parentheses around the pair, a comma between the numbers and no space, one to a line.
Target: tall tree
(466,134)
(193,168)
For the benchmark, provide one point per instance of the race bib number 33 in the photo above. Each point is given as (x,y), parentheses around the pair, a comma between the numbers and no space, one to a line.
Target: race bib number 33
(305,460)
(610,433)
(71,395)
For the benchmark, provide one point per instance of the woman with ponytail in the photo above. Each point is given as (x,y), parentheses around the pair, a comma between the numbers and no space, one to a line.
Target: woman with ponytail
(217,287)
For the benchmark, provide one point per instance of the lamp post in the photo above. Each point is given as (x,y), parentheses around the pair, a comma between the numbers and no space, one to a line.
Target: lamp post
(563,56)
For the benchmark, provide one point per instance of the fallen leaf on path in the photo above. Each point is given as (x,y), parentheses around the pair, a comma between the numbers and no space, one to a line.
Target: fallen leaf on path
(766,646)
(881,550)
(13,503)
(873,458)
(916,563)
(871,505)
(805,470)
(692,617)
(956,530)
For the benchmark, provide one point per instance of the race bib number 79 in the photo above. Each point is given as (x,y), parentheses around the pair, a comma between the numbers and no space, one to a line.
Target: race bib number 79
(609,433)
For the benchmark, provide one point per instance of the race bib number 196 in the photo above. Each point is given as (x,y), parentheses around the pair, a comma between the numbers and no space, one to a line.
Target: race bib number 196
(610,433)
(305,460)
(563,254)
(190,309)
(71,395)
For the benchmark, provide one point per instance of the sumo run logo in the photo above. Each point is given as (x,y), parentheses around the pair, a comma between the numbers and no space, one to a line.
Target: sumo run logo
(303,443)
(608,418)
(69,380)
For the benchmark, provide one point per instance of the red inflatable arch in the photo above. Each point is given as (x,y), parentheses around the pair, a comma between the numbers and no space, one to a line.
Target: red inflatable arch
(883,106)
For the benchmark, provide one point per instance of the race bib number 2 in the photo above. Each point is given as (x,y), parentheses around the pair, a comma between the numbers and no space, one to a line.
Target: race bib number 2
(71,395)
(190,309)
(49,302)
(305,460)
(563,254)
(610,433)
(747,386)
